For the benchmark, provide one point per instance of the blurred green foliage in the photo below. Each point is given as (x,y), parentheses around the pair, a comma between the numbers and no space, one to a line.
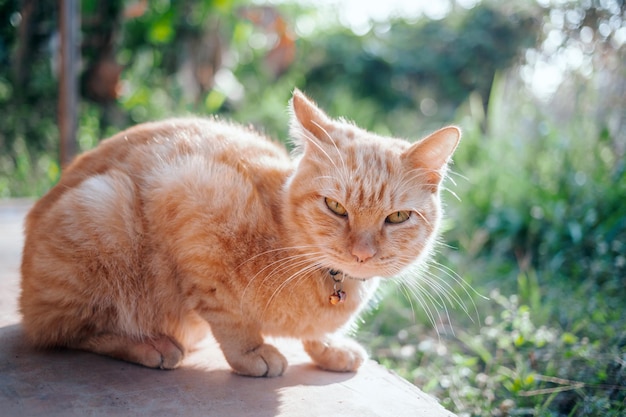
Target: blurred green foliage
(431,65)
(546,224)
(151,60)
(539,224)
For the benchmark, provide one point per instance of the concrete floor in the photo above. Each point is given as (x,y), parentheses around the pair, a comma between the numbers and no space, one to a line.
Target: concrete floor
(70,383)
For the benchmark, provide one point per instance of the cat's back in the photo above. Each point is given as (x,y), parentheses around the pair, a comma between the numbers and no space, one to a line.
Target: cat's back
(136,204)
(150,174)
(147,147)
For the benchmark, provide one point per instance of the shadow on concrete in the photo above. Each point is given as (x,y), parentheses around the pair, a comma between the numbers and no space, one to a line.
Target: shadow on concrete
(74,383)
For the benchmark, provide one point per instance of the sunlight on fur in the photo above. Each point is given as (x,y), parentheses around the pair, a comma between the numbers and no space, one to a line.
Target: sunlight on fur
(172,229)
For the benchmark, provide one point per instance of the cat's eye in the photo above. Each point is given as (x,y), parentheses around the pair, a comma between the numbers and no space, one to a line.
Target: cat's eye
(398,217)
(336,207)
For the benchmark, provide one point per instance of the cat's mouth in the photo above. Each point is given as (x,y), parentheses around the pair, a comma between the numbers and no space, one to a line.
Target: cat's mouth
(358,271)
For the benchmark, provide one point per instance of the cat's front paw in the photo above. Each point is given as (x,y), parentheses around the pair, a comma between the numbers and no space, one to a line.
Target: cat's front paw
(161,352)
(265,360)
(339,355)
(170,352)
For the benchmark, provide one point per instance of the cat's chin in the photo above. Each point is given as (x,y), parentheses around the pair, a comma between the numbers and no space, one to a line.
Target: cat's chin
(360,272)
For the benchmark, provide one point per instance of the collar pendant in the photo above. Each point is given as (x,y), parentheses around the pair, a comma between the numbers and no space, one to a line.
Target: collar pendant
(339,295)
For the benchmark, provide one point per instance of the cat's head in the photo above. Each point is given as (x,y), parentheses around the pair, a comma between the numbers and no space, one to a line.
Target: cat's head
(360,203)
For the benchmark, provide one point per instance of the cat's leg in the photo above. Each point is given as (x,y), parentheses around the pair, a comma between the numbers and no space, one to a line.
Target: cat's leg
(160,352)
(247,353)
(338,354)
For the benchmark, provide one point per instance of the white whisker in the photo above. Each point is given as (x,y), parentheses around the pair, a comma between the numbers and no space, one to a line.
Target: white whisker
(318,146)
(436,293)
(344,171)
(283,249)
(418,295)
(280,265)
(419,213)
(297,275)
(462,283)
(438,298)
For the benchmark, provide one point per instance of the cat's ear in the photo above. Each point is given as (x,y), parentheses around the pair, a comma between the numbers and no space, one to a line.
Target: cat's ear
(308,122)
(432,154)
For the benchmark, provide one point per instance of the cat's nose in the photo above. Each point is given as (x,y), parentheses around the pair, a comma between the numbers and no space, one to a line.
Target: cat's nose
(364,249)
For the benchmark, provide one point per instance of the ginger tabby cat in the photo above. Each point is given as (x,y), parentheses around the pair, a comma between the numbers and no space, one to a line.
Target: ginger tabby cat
(172,228)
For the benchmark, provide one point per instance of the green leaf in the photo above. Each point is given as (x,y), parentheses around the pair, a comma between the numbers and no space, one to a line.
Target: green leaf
(569,338)
(162,30)
(214,101)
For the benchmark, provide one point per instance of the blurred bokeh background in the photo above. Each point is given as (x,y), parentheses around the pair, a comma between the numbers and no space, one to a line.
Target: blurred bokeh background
(523,311)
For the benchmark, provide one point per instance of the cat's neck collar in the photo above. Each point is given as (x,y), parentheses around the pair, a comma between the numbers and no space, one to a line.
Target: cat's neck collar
(339,295)
(339,276)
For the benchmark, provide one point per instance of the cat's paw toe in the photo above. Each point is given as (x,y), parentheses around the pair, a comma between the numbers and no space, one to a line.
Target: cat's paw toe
(168,354)
(265,360)
(338,355)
